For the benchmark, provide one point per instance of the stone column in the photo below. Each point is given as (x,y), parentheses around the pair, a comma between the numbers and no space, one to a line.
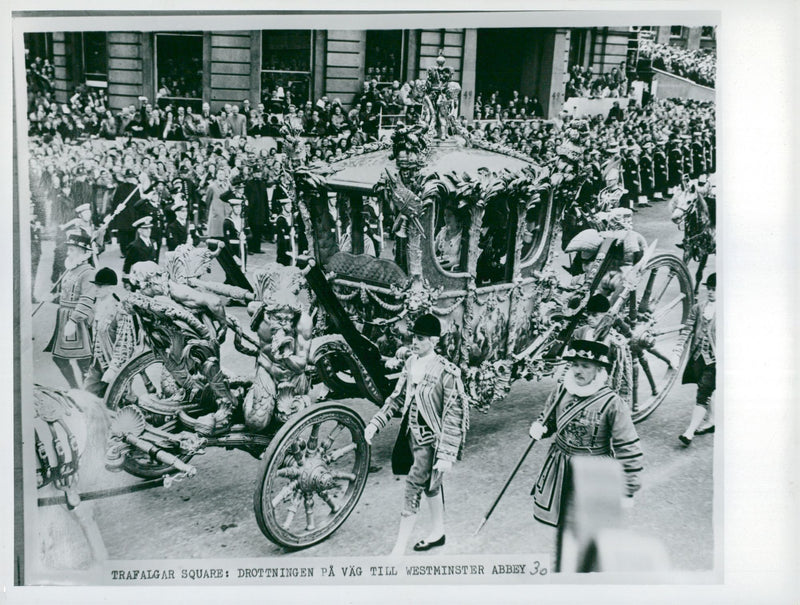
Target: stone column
(470,54)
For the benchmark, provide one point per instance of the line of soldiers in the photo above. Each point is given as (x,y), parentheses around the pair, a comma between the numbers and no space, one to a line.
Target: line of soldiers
(649,170)
(655,169)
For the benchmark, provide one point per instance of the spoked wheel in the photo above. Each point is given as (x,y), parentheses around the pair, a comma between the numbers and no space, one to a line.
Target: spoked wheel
(314,473)
(143,376)
(656,313)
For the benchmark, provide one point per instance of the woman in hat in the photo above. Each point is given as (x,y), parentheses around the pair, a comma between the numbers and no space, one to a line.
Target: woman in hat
(435,410)
(588,419)
(72,339)
(701,328)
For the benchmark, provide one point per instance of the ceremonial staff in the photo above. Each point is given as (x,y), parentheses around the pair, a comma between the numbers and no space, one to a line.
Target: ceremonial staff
(547,413)
(97,233)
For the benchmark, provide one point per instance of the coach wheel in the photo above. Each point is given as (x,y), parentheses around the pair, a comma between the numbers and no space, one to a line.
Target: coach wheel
(657,313)
(141,376)
(314,472)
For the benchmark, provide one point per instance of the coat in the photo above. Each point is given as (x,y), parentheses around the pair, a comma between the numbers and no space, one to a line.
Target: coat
(693,331)
(597,425)
(139,252)
(76,303)
(218,210)
(442,404)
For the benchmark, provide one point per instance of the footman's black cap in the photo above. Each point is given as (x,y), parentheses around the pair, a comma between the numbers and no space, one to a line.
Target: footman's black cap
(427,325)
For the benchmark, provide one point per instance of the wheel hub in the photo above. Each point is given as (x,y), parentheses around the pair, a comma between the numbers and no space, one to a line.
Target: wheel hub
(315,476)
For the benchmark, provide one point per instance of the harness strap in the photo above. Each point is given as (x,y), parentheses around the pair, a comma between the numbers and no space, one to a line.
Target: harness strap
(44,474)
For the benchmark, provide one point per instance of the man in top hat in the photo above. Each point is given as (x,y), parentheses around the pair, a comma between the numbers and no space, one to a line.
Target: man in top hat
(588,419)
(72,339)
(701,332)
(114,336)
(435,411)
(142,248)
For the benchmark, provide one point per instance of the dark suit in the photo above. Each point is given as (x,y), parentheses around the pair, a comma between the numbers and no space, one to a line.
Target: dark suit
(257,212)
(139,252)
(660,170)
(177,234)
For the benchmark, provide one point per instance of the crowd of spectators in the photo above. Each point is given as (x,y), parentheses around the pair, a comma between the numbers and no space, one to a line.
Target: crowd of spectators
(494,107)
(583,83)
(659,120)
(696,65)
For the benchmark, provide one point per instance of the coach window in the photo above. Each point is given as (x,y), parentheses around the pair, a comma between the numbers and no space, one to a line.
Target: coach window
(384,56)
(498,236)
(94,55)
(451,240)
(286,64)
(179,68)
(534,228)
(708,32)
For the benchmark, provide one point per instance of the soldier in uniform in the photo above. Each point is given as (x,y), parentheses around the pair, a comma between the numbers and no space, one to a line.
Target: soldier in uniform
(588,419)
(660,173)
(179,228)
(686,152)
(675,165)
(234,233)
(630,178)
(646,173)
(698,156)
(142,248)
(431,399)
(123,222)
(701,328)
(72,339)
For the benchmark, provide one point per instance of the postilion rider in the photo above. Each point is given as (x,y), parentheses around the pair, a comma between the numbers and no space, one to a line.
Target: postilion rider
(435,413)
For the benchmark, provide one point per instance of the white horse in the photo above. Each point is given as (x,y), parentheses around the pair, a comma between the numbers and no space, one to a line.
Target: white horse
(71,429)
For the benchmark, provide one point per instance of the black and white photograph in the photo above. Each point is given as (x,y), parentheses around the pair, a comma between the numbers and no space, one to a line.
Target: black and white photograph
(371,299)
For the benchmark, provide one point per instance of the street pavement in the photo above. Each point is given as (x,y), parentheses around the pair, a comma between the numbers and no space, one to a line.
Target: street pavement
(211,515)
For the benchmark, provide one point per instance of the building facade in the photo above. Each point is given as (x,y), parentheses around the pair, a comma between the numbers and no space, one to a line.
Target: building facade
(219,67)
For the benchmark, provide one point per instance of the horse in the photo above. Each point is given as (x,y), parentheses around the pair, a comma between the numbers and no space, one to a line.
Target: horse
(697,216)
(70,431)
